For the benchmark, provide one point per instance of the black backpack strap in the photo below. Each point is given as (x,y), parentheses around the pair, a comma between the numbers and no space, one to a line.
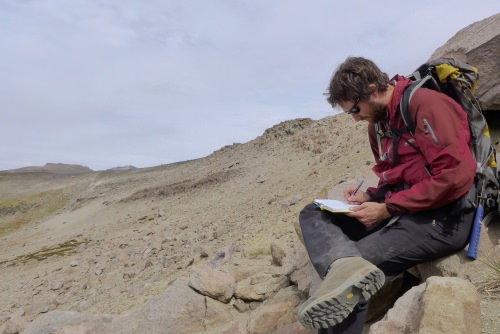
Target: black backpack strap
(396,136)
(404,109)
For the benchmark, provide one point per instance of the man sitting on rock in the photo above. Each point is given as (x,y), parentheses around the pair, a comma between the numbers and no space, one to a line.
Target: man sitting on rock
(415,214)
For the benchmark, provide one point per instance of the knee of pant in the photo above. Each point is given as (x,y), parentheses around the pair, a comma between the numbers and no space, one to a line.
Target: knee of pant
(298,227)
(304,220)
(306,211)
(308,208)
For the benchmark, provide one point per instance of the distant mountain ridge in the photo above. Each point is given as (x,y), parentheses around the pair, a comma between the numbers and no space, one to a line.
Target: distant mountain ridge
(55,168)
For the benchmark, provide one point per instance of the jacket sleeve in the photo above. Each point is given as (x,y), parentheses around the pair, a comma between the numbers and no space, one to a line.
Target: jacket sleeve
(442,134)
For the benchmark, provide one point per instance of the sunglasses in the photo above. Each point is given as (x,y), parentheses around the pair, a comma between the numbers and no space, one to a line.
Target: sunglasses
(355,109)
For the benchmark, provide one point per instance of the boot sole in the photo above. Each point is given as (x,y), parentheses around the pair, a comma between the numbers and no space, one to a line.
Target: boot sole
(334,307)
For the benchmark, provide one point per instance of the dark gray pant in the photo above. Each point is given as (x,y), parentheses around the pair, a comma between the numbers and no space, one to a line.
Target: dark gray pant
(412,239)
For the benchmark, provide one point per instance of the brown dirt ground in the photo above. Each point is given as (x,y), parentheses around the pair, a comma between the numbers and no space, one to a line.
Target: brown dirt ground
(96,252)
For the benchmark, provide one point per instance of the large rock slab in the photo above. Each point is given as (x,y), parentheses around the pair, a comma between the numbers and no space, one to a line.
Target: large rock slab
(440,305)
(212,282)
(177,310)
(479,45)
(450,305)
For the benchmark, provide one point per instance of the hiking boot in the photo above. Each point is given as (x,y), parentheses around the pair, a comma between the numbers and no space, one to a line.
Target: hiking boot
(349,280)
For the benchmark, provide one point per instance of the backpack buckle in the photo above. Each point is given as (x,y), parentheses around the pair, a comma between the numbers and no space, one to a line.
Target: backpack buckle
(384,134)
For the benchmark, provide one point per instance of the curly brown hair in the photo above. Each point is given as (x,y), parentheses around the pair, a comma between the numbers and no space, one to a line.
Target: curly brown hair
(352,78)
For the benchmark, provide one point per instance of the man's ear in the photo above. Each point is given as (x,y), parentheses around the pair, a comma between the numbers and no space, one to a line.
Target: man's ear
(374,90)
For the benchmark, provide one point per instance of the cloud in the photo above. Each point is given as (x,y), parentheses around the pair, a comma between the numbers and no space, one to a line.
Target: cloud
(110,83)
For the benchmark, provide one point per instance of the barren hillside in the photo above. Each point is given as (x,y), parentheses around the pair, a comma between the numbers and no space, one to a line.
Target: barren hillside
(95,250)
(107,242)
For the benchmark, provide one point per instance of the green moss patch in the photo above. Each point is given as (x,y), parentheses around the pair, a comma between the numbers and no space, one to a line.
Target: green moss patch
(66,248)
(19,211)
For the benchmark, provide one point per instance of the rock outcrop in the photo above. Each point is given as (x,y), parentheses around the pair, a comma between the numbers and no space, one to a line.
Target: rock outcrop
(479,45)
(440,305)
(267,303)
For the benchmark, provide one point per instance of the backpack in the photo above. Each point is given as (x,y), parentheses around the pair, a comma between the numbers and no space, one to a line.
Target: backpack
(459,80)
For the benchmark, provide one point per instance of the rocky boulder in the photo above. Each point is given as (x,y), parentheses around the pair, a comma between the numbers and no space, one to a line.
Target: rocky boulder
(440,305)
(479,45)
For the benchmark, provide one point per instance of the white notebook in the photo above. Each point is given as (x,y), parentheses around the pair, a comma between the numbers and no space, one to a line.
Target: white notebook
(333,205)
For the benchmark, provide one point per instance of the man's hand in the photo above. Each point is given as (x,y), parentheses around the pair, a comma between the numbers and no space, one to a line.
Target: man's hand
(359,197)
(370,213)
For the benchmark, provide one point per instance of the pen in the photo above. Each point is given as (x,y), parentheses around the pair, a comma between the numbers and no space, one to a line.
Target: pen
(357,187)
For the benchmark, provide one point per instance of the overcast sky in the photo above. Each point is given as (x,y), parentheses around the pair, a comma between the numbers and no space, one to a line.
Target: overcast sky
(106,83)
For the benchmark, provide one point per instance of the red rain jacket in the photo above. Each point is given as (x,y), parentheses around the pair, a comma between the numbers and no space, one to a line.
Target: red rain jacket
(442,134)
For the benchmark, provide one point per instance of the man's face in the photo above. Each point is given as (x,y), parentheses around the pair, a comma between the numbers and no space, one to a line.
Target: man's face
(369,111)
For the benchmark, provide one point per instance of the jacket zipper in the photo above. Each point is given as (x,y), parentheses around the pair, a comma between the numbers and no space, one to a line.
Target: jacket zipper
(428,129)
